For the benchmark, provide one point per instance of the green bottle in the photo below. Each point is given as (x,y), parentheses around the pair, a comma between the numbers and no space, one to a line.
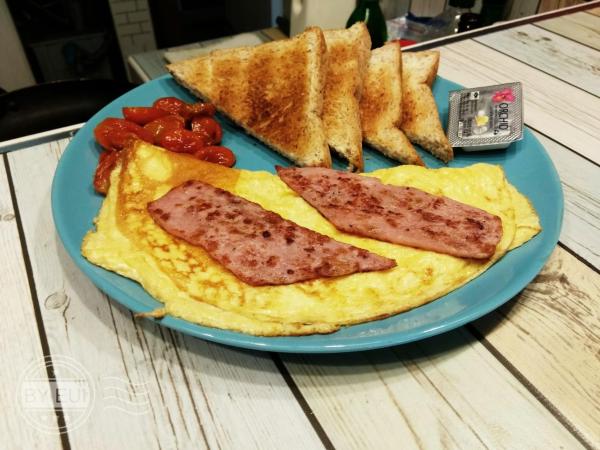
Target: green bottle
(368,11)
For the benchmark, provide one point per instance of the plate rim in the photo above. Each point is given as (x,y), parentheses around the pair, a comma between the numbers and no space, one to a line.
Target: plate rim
(263,343)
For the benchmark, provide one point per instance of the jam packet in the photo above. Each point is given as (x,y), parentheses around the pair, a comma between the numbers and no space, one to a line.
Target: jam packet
(486,118)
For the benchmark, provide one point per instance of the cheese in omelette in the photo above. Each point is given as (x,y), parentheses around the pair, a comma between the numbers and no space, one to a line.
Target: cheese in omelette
(194,287)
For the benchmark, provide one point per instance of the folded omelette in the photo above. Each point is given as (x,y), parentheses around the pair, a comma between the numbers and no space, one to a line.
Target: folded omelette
(194,287)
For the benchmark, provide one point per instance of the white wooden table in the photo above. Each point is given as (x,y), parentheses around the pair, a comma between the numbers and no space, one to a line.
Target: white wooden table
(525,376)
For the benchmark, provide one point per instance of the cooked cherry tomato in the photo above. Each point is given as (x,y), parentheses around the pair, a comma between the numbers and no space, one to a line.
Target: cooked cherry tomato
(202,109)
(218,155)
(106,163)
(115,134)
(164,124)
(173,105)
(182,141)
(169,122)
(208,126)
(201,153)
(143,114)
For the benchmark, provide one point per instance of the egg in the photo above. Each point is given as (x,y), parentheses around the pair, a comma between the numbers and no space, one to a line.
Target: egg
(196,288)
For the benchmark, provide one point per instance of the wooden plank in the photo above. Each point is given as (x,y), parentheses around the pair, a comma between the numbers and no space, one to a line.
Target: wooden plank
(560,57)
(593,11)
(551,5)
(581,227)
(563,112)
(154,389)
(38,138)
(445,392)
(580,27)
(79,322)
(548,5)
(19,342)
(522,8)
(551,335)
(247,386)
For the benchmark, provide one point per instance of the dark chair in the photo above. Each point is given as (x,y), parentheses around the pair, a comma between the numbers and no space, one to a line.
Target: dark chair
(53,105)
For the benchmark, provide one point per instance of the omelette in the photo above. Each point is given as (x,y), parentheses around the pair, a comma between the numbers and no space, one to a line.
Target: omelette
(194,287)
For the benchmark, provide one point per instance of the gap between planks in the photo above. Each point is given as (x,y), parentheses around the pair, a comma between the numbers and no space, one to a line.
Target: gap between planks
(532,388)
(445,392)
(577,27)
(549,138)
(46,357)
(552,332)
(578,176)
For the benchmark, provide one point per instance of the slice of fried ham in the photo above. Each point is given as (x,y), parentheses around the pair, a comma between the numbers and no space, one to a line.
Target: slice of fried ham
(402,215)
(258,246)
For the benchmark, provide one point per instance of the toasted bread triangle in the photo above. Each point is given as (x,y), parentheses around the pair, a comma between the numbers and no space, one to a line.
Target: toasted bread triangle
(348,53)
(274,91)
(421,120)
(381,105)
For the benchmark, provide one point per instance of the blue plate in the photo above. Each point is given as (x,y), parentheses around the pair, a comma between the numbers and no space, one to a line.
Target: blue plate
(527,165)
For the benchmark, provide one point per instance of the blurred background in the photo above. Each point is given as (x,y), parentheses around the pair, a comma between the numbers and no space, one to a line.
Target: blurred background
(48,40)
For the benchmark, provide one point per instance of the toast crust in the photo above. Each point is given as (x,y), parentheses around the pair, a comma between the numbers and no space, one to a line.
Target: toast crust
(381,106)
(273,90)
(421,121)
(347,51)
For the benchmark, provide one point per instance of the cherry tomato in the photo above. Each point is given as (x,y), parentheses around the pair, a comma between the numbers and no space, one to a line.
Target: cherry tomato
(182,141)
(218,155)
(202,109)
(173,105)
(106,163)
(201,153)
(143,114)
(169,122)
(208,127)
(164,124)
(115,134)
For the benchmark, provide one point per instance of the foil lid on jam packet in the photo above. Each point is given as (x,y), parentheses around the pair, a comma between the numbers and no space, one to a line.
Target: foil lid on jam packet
(486,118)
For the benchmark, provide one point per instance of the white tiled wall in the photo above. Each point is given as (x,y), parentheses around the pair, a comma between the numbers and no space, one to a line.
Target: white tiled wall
(133,26)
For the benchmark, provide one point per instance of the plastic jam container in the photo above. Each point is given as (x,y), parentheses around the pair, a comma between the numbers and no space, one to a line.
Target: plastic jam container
(486,118)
